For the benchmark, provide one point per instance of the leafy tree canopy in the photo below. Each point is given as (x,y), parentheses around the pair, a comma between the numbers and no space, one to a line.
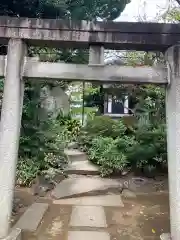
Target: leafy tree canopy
(72,9)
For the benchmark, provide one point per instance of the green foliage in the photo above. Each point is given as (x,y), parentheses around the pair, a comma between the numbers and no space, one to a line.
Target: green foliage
(27,170)
(142,146)
(86,10)
(172,15)
(71,127)
(139,144)
(105,153)
(150,147)
(102,125)
(41,143)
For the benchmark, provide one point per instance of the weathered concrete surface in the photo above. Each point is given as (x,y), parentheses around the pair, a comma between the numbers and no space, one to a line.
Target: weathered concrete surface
(73,152)
(15,234)
(10,126)
(165,236)
(113,35)
(85,235)
(75,155)
(61,71)
(173,137)
(126,193)
(96,55)
(88,216)
(81,186)
(104,200)
(31,219)
(82,167)
(76,72)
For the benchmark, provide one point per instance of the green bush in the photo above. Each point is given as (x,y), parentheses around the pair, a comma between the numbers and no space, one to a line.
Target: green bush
(43,150)
(150,148)
(27,170)
(42,143)
(102,125)
(71,126)
(84,140)
(116,148)
(111,127)
(105,153)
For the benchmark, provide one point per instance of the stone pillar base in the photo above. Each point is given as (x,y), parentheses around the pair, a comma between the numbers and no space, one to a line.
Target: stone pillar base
(15,234)
(165,236)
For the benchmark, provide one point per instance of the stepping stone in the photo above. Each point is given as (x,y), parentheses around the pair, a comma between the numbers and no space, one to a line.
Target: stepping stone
(105,201)
(81,186)
(88,235)
(128,194)
(88,216)
(15,234)
(75,155)
(82,167)
(73,145)
(164,236)
(32,217)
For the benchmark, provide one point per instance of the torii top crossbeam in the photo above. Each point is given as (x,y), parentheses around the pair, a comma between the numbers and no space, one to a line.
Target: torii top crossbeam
(75,34)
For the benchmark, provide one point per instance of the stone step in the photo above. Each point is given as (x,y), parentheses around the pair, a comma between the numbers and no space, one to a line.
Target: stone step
(88,216)
(15,234)
(85,186)
(75,155)
(32,217)
(88,235)
(82,168)
(104,200)
(72,145)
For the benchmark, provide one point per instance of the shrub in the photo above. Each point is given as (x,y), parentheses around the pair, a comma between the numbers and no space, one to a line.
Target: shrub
(117,147)
(71,126)
(101,125)
(27,170)
(104,151)
(85,140)
(41,148)
(150,147)
(42,142)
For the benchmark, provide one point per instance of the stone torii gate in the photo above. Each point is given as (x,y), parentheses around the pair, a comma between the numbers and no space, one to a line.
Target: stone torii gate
(16,67)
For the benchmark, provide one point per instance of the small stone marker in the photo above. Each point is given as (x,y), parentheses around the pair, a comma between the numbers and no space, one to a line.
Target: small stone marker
(88,216)
(32,217)
(88,235)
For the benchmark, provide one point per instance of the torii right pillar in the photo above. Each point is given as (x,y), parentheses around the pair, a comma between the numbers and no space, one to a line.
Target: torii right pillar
(173,138)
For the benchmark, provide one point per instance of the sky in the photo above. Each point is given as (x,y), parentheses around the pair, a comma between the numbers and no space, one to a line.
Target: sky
(137,8)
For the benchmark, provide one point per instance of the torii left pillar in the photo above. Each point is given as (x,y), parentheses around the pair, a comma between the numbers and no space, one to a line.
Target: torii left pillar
(10,130)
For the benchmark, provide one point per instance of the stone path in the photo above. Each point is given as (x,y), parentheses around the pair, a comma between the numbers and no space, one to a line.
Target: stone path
(87,235)
(75,155)
(80,186)
(88,216)
(82,167)
(78,163)
(32,217)
(105,201)
(79,208)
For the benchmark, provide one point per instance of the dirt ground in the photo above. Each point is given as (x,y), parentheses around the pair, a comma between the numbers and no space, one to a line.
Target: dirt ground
(142,218)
